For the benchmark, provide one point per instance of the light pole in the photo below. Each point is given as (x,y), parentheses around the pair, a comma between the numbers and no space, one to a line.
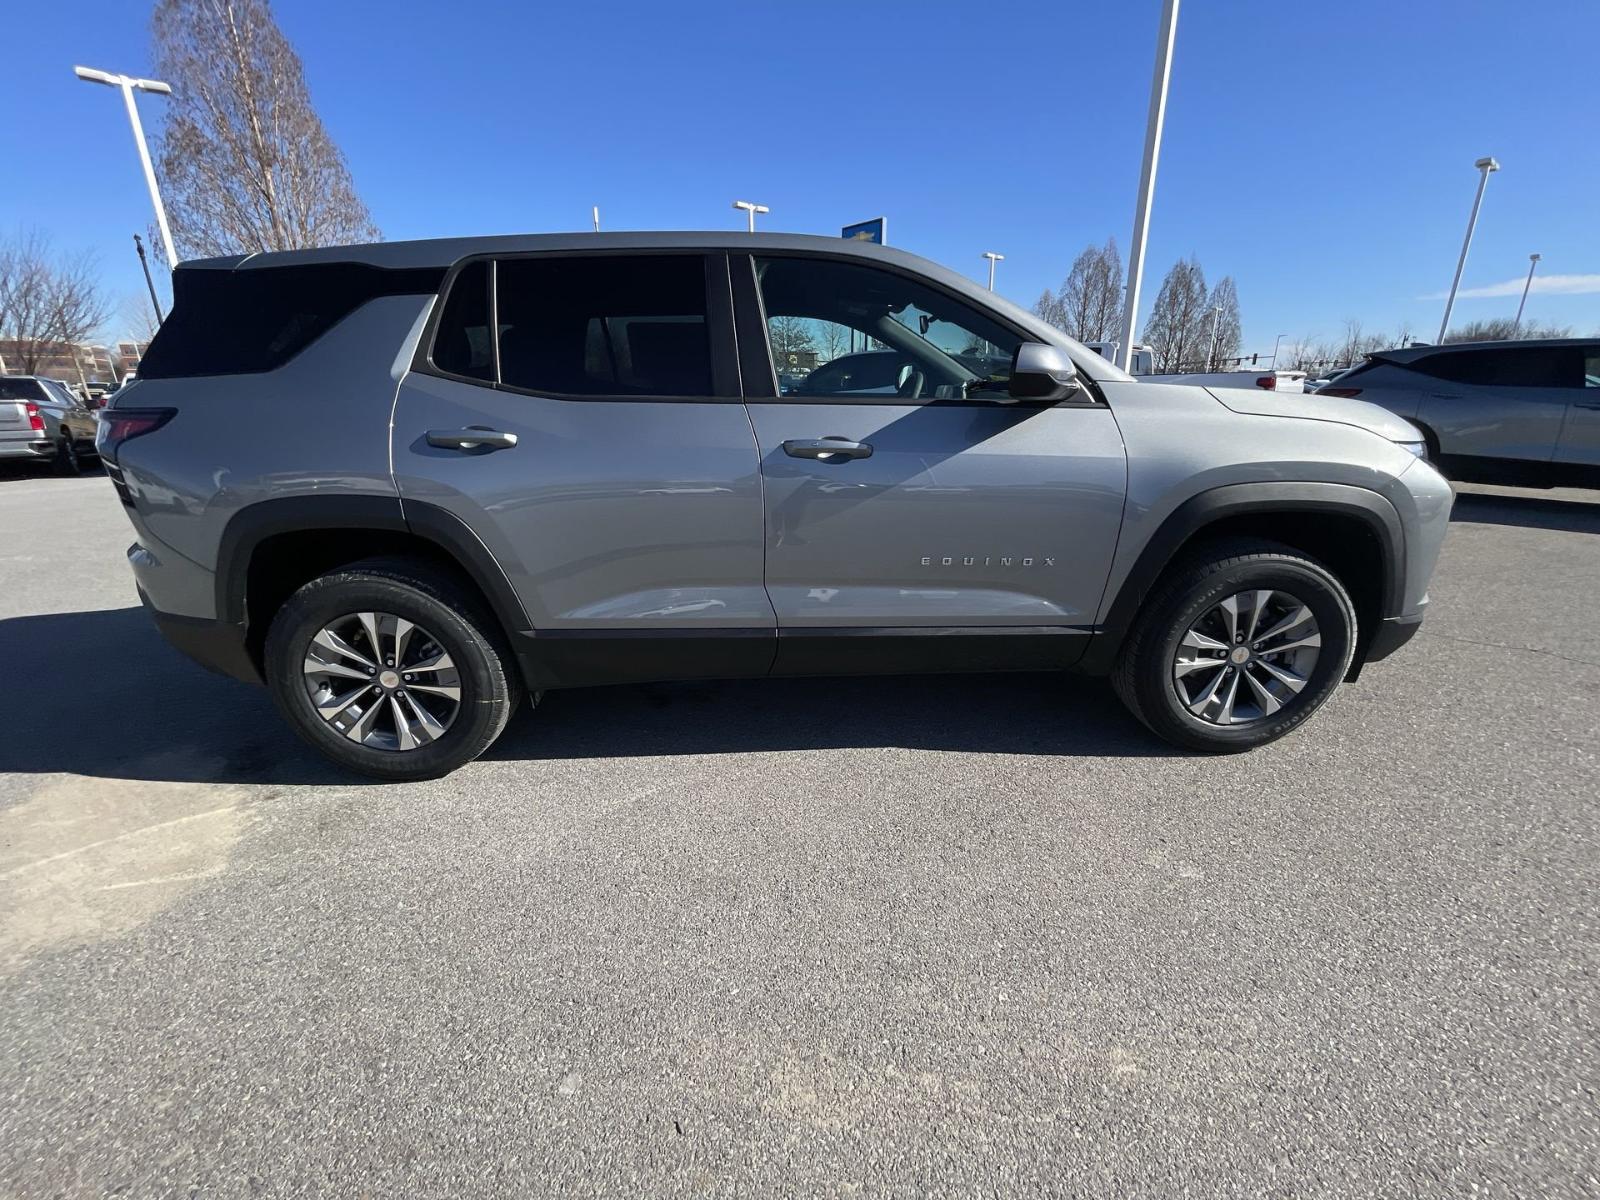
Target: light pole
(1147,176)
(1275,342)
(751,210)
(1485,166)
(993,258)
(138,244)
(1216,318)
(597,218)
(128,84)
(1533,261)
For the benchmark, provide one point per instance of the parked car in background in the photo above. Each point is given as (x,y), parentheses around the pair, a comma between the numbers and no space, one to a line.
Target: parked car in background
(42,421)
(1524,413)
(583,471)
(1143,369)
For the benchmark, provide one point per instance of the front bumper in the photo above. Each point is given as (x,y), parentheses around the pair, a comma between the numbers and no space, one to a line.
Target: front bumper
(1391,634)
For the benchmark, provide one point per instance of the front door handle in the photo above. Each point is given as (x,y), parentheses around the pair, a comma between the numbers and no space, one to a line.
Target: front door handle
(474,437)
(826,449)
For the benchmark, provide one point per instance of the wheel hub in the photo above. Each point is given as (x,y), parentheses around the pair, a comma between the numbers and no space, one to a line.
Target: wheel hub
(382,681)
(1246,657)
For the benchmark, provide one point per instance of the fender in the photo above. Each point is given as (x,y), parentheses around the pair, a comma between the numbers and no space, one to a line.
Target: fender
(1241,499)
(249,527)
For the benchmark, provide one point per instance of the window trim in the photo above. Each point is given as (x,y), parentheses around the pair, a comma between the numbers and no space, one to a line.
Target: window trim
(720,342)
(751,325)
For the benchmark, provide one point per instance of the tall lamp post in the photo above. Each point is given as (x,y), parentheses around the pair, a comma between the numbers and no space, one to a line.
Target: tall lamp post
(1275,342)
(129,85)
(751,210)
(138,245)
(1533,261)
(1147,176)
(993,258)
(1485,167)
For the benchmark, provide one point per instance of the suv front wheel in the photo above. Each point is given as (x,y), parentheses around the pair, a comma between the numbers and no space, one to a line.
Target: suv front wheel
(1238,645)
(391,669)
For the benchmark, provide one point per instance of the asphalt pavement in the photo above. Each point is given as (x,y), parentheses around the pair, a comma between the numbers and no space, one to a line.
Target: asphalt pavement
(935,936)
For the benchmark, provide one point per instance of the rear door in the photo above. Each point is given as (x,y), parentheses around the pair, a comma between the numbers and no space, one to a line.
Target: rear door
(1580,436)
(940,509)
(617,484)
(1496,403)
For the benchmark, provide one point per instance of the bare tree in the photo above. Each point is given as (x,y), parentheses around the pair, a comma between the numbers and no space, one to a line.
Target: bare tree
(1091,295)
(1048,309)
(246,163)
(790,335)
(1227,333)
(1180,321)
(1500,329)
(47,301)
(832,340)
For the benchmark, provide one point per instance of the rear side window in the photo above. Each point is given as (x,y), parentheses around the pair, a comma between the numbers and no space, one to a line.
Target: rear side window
(462,345)
(1532,367)
(244,321)
(592,325)
(21,389)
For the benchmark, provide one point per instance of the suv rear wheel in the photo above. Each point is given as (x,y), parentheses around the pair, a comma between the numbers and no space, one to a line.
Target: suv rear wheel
(1238,645)
(391,669)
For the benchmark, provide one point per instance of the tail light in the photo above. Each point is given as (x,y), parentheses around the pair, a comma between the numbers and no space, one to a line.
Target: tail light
(35,421)
(1270,382)
(1347,393)
(119,425)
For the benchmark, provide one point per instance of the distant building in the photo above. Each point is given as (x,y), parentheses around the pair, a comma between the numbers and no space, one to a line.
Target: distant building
(64,360)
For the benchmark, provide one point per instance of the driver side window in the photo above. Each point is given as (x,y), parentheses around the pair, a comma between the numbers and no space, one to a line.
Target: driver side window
(847,331)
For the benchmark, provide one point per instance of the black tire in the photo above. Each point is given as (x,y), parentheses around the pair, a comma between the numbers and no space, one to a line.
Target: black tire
(1143,676)
(67,461)
(432,599)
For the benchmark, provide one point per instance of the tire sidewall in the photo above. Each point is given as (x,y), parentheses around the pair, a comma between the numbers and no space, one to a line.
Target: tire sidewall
(484,691)
(1336,622)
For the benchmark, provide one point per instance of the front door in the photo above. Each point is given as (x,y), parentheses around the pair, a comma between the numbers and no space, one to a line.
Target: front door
(598,448)
(1499,403)
(1580,436)
(905,494)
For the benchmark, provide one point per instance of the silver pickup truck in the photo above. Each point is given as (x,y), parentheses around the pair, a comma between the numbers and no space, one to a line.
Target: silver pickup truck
(42,421)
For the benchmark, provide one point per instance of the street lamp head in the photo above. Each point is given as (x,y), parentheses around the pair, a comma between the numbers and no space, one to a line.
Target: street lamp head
(1534,257)
(990,254)
(1487,164)
(90,75)
(746,206)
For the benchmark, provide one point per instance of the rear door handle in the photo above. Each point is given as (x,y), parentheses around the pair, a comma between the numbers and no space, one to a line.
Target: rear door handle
(474,437)
(826,449)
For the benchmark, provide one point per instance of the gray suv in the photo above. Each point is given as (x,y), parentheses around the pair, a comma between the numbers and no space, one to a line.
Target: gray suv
(1524,413)
(407,484)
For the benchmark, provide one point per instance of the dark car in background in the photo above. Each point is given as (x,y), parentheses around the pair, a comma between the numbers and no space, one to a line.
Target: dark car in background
(1523,413)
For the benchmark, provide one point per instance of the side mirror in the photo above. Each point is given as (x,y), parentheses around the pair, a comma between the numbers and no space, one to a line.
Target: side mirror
(1041,372)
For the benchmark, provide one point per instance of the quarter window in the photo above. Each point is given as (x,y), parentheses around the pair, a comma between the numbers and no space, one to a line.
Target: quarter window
(1530,367)
(594,325)
(845,330)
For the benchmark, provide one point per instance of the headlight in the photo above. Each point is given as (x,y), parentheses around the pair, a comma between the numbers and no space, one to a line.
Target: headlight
(1420,449)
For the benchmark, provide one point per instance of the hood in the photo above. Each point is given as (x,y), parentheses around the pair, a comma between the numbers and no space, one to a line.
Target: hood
(1309,406)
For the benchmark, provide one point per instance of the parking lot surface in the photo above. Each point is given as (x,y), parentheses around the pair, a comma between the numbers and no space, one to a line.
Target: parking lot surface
(951,935)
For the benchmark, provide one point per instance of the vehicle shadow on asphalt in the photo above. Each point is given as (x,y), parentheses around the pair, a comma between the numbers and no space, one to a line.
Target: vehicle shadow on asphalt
(98,693)
(1528,512)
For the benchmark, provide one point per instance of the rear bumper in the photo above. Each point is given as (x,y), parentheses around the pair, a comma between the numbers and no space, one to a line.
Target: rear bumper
(215,645)
(34,448)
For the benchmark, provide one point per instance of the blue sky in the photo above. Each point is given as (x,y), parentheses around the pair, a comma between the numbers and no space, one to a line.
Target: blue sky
(1320,152)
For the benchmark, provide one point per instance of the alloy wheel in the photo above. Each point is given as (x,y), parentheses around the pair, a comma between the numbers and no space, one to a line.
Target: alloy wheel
(1246,657)
(383,681)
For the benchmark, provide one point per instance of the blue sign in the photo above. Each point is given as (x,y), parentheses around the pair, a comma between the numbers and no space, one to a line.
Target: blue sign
(875,231)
